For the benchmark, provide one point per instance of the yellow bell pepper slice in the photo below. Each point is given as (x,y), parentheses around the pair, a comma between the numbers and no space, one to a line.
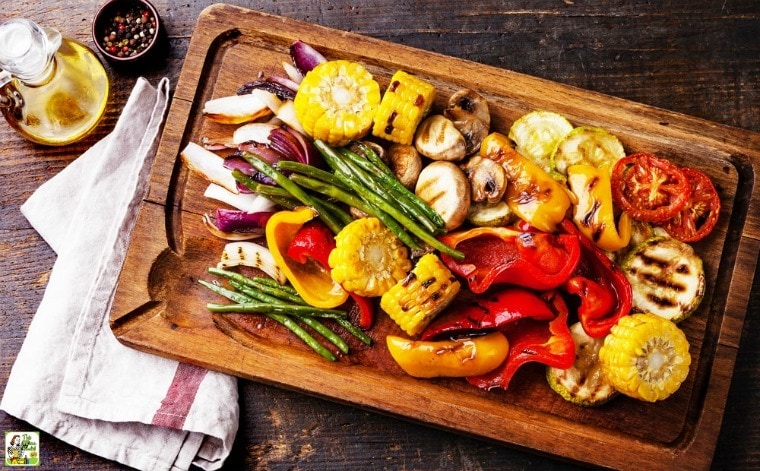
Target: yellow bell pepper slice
(311,280)
(458,358)
(531,193)
(594,213)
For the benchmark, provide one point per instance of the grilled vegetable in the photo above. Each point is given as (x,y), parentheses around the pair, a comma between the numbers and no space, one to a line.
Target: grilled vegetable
(469,112)
(368,258)
(414,301)
(532,194)
(237,109)
(645,357)
(405,103)
(311,280)
(536,135)
(253,255)
(437,138)
(488,181)
(337,101)
(583,383)
(666,276)
(468,356)
(445,187)
(406,164)
(490,215)
(588,146)
(593,213)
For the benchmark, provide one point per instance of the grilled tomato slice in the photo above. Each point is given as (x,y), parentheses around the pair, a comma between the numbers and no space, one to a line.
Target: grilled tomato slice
(649,188)
(700,213)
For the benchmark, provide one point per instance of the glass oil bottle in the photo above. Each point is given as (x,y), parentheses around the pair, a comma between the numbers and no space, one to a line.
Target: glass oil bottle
(53,90)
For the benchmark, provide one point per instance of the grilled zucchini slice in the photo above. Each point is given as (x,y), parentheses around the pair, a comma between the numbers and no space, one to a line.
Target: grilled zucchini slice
(587,145)
(583,383)
(667,278)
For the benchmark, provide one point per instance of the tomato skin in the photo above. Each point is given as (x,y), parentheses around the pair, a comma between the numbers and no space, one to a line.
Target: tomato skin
(650,189)
(700,213)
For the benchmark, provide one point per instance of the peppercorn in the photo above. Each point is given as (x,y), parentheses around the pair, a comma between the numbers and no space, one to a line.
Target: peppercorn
(129,33)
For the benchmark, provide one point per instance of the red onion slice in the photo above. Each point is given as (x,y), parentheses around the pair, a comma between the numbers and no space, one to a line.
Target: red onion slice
(305,57)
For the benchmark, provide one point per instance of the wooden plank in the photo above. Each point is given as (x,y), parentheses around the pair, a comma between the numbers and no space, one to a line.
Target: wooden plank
(172,322)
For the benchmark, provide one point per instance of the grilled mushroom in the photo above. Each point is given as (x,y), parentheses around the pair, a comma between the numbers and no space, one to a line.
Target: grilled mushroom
(470,115)
(487,179)
(406,163)
(437,138)
(444,186)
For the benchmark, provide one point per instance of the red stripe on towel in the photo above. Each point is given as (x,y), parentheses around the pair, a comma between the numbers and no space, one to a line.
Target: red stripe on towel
(180,397)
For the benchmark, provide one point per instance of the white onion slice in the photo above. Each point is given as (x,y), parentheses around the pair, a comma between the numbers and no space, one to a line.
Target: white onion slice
(209,165)
(248,202)
(251,254)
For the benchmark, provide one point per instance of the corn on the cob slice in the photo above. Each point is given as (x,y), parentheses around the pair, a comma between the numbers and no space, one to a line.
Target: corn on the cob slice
(368,258)
(337,101)
(415,301)
(406,101)
(645,357)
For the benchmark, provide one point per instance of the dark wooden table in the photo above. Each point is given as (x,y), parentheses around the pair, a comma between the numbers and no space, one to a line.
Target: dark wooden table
(696,57)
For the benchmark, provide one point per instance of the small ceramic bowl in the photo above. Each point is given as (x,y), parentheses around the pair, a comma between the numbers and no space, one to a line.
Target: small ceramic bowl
(127,31)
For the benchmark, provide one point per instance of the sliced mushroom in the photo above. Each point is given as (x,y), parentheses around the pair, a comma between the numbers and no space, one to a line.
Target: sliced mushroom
(488,180)
(444,186)
(437,138)
(468,103)
(470,115)
(474,131)
(406,163)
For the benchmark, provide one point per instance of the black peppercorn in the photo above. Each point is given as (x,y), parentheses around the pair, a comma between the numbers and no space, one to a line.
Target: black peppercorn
(129,32)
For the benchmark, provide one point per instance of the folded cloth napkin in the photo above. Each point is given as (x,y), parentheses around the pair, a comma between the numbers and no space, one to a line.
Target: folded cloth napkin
(72,377)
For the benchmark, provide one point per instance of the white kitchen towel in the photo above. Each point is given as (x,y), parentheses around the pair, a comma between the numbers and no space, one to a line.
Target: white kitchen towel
(72,377)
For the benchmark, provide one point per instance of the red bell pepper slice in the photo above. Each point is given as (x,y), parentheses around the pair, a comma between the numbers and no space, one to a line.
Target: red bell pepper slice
(492,311)
(532,259)
(602,288)
(315,240)
(530,340)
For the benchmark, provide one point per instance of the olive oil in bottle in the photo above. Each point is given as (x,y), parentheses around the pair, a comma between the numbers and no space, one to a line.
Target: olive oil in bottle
(53,90)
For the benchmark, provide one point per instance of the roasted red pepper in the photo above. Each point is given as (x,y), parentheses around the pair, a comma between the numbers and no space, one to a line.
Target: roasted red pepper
(315,240)
(533,259)
(530,340)
(603,290)
(493,311)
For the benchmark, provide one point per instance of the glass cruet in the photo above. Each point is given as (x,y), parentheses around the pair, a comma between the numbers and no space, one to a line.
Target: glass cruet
(53,90)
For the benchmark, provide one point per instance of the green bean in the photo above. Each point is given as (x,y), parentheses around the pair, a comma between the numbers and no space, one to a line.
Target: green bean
(346,171)
(254,293)
(276,284)
(294,190)
(392,182)
(277,308)
(365,195)
(333,191)
(391,197)
(275,291)
(331,336)
(286,321)
(372,156)
(354,330)
(311,171)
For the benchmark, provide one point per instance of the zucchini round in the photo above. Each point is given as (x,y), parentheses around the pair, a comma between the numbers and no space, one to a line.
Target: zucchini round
(667,278)
(587,145)
(583,383)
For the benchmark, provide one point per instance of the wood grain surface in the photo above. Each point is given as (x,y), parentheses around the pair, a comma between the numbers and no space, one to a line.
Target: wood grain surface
(696,58)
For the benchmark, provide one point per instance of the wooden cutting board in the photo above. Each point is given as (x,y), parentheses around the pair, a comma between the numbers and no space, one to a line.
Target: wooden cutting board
(160,308)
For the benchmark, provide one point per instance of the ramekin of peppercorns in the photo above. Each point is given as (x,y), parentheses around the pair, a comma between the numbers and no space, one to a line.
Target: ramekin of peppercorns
(127,31)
